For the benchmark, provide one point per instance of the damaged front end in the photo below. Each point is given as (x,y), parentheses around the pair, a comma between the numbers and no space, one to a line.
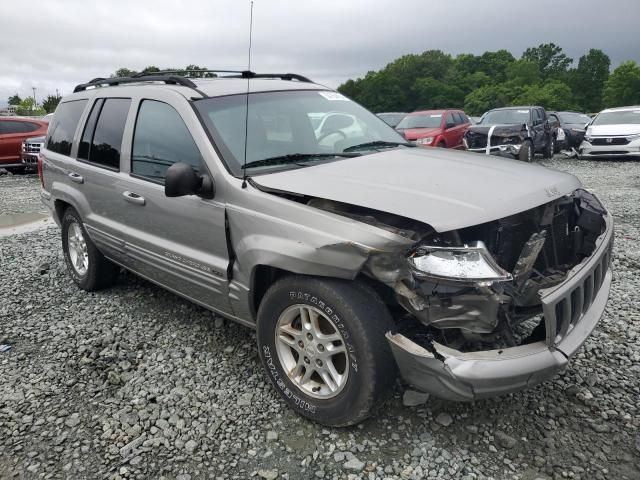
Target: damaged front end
(499,306)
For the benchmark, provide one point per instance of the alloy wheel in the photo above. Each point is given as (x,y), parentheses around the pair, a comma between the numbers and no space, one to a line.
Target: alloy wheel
(77,247)
(312,351)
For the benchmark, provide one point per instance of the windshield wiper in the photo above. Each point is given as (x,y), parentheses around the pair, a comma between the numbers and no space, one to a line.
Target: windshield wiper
(296,157)
(377,144)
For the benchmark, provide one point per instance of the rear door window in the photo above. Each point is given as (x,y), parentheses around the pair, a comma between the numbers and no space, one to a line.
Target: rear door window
(104,131)
(63,126)
(161,139)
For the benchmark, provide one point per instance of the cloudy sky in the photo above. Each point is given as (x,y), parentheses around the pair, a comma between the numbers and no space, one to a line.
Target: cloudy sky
(55,44)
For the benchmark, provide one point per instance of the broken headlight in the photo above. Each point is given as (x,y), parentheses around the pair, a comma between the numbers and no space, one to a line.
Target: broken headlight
(472,264)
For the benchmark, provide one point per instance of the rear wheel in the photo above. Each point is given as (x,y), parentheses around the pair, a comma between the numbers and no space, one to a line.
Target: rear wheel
(526,152)
(86,265)
(322,343)
(441,144)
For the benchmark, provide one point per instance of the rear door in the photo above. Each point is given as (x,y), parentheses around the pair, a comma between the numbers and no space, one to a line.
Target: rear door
(177,242)
(538,128)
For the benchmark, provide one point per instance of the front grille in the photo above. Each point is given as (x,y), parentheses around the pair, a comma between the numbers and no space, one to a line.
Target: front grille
(565,310)
(477,140)
(32,148)
(605,141)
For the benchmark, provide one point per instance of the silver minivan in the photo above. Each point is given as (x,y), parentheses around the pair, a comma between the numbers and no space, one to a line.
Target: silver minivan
(285,206)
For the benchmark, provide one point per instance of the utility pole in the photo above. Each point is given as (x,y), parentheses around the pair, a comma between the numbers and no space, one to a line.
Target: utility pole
(34,98)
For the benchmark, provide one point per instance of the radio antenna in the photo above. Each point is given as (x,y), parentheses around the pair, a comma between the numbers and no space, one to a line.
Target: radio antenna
(246,111)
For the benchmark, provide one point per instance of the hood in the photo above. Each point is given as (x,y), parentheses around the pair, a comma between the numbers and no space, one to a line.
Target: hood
(577,126)
(415,133)
(36,139)
(443,188)
(614,130)
(498,130)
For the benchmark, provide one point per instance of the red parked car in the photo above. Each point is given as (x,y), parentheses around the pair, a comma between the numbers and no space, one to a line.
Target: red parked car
(435,128)
(12,133)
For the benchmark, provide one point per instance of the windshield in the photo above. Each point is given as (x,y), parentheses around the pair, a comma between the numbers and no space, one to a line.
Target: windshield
(618,118)
(505,117)
(290,123)
(432,120)
(577,118)
(392,119)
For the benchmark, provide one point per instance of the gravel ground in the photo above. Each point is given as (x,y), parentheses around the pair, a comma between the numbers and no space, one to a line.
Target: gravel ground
(134,382)
(19,194)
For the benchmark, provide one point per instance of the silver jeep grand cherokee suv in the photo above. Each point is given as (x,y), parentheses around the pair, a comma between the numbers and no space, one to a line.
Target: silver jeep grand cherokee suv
(296,212)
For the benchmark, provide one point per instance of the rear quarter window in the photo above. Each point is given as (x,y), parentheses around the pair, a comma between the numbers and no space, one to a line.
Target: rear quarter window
(63,126)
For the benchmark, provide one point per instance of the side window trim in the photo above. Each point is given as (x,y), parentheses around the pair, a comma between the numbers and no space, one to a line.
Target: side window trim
(91,124)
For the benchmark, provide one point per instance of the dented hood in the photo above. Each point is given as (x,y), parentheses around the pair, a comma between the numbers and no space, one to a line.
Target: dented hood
(443,188)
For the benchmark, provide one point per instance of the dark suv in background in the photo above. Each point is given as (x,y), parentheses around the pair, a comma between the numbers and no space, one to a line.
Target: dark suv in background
(517,132)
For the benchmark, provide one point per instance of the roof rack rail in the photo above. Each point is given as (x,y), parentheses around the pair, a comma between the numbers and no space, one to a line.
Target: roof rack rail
(152,77)
(237,74)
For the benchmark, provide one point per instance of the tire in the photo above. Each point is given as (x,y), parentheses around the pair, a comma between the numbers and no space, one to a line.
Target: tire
(442,145)
(549,148)
(526,152)
(357,320)
(88,268)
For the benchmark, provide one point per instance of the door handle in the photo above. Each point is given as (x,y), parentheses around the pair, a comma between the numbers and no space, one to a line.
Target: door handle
(133,198)
(76,178)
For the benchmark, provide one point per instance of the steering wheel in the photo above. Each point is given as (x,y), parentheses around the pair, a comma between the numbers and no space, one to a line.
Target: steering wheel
(325,135)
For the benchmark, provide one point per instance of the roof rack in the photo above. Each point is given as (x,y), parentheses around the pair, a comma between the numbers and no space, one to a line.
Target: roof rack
(171,79)
(237,74)
(175,77)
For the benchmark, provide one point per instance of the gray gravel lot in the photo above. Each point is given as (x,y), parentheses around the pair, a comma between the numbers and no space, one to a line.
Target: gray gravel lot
(134,382)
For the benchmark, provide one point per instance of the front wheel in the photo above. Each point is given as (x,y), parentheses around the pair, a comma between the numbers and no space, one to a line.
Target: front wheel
(322,343)
(526,152)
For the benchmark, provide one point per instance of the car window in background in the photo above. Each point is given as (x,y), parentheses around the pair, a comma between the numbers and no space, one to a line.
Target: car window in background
(458,118)
(433,120)
(161,139)
(63,126)
(506,117)
(618,118)
(392,119)
(109,129)
(290,122)
(578,118)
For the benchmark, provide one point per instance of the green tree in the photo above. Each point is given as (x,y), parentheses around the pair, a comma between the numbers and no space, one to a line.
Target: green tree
(28,107)
(51,102)
(495,64)
(523,72)
(623,86)
(487,97)
(553,95)
(123,72)
(15,100)
(587,81)
(551,60)
(431,93)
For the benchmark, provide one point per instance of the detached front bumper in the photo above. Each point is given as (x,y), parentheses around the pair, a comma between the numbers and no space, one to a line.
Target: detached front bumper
(630,150)
(509,150)
(571,309)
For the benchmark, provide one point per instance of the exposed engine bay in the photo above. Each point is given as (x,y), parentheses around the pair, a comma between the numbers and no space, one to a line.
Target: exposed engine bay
(477,288)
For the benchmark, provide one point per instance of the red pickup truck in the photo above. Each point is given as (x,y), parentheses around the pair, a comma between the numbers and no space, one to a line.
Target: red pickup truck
(13,131)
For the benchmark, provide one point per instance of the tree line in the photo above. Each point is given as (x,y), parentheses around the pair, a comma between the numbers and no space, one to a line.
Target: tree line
(28,105)
(543,75)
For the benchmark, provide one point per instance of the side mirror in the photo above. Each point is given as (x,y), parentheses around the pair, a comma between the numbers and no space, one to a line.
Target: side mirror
(181,179)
